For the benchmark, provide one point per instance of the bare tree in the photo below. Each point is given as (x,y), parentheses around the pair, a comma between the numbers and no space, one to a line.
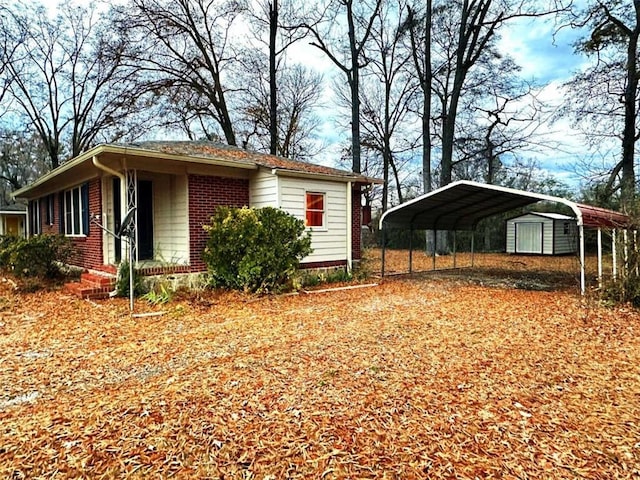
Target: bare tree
(10,39)
(466,32)
(68,80)
(359,17)
(278,20)
(183,46)
(299,91)
(420,38)
(387,95)
(22,160)
(604,97)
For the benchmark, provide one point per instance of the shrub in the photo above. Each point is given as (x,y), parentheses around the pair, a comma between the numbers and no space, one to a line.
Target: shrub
(122,282)
(37,256)
(255,250)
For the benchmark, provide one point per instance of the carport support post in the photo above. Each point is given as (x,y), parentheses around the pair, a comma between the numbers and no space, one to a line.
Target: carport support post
(473,237)
(614,254)
(599,258)
(411,249)
(384,231)
(454,249)
(435,248)
(582,265)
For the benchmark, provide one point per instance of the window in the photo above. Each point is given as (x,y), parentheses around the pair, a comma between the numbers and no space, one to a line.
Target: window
(75,211)
(49,211)
(565,228)
(34,217)
(314,213)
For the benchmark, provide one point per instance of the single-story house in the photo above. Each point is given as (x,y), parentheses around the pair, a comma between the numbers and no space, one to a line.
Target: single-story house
(175,188)
(13,220)
(542,233)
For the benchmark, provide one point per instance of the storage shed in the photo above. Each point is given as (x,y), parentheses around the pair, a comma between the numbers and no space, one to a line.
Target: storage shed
(542,233)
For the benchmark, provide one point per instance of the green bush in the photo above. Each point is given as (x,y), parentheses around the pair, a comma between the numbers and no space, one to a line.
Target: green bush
(255,250)
(122,282)
(37,256)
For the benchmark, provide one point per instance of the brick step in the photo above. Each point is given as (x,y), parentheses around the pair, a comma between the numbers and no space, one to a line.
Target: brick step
(97,280)
(82,290)
(92,286)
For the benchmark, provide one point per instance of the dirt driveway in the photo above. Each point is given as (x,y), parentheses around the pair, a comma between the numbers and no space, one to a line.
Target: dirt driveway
(414,378)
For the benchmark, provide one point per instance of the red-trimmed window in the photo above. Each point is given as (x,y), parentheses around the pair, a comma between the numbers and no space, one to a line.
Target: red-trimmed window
(314,212)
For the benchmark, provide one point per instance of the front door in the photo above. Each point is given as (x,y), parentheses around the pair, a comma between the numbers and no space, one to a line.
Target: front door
(13,226)
(529,237)
(145,220)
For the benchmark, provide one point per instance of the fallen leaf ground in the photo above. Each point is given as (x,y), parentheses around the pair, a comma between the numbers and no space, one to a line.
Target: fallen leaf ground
(413,378)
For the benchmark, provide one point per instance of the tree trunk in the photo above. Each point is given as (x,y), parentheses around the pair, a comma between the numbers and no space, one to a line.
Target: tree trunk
(354,83)
(273,87)
(628,184)
(426,106)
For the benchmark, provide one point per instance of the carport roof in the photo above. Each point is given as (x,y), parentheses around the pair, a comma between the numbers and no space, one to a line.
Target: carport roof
(461,205)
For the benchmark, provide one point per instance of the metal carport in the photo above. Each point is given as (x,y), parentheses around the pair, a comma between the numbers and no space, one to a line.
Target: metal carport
(461,205)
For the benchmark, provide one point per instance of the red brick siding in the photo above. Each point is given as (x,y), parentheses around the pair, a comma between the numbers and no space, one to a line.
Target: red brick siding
(327,264)
(89,248)
(205,194)
(356,223)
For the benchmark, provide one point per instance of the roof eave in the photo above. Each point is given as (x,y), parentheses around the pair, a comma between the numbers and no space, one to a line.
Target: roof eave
(325,176)
(103,149)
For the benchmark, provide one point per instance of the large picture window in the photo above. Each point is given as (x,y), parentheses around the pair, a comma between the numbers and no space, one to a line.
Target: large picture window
(315,210)
(75,211)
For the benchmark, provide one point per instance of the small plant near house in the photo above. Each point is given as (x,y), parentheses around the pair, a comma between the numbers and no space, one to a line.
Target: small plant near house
(333,276)
(158,295)
(39,256)
(256,250)
(122,283)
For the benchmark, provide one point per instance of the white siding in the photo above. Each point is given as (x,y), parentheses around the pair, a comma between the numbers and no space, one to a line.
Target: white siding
(553,237)
(565,242)
(108,242)
(547,236)
(263,190)
(329,243)
(170,218)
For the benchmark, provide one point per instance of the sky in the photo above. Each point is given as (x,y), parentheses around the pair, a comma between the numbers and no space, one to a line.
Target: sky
(547,56)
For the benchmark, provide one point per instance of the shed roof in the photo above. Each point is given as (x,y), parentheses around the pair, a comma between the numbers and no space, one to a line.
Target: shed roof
(461,205)
(549,215)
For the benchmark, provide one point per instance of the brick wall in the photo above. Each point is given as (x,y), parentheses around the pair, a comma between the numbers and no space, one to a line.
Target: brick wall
(205,194)
(88,249)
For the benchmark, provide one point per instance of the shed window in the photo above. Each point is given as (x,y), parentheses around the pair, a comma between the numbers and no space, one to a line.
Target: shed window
(565,228)
(314,213)
(75,211)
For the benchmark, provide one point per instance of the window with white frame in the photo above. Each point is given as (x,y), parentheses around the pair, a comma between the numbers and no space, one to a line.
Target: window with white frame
(315,210)
(75,207)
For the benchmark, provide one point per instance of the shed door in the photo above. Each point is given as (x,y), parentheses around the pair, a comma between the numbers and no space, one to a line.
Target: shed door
(529,237)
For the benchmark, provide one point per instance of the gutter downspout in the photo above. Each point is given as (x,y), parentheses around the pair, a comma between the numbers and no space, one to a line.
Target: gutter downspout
(349,227)
(123,187)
